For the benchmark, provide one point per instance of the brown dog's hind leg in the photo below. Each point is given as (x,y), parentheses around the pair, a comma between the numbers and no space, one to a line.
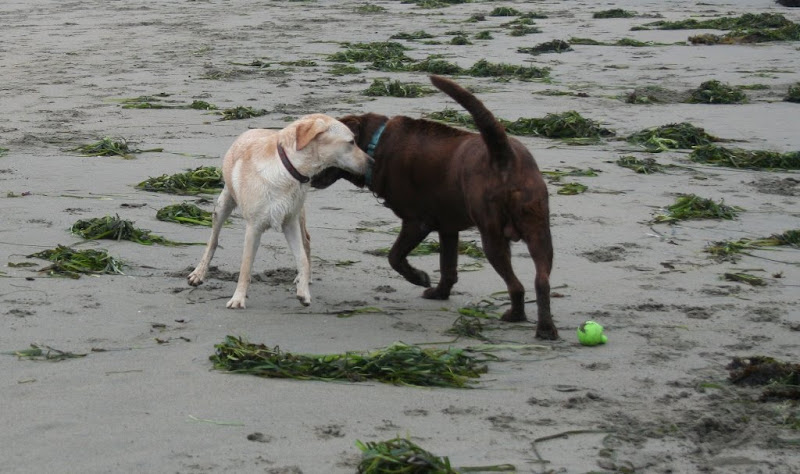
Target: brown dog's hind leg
(498,252)
(411,234)
(540,247)
(448,263)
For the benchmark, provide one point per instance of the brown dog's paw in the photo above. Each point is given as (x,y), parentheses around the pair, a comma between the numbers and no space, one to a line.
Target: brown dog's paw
(548,334)
(419,278)
(435,294)
(512,316)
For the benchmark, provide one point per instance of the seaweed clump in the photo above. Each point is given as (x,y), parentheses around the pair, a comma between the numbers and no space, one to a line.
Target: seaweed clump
(380,88)
(154,102)
(416,35)
(754,35)
(484,68)
(185,213)
(400,455)
(571,189)
(682,135)
(434,3)
(745,159)
(654,95)
(691,206)
(436,65)
(521,26)
(780,379)
(748,20)
(568,124)
(505,11)
(644,166)
(454,117)
(111,147)
(793,95)
(241,113)
(715,92)
(201,180)
(384,56)
(74,263)
(730,249)
(115,228)
(555,46)
(399,364)
(748,28)
(614,13)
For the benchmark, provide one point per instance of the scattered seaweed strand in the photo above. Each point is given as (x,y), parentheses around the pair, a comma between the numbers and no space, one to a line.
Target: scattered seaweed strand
(745,159)
(74,263)
(111,147)
(42,352)
(401,456)
(729,249)
(399,364)
(682,135)
(691,206)
(115,228)
(201,180)
(185,213)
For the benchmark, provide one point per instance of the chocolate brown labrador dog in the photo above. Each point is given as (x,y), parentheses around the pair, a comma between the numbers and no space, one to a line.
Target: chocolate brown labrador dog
(439,178)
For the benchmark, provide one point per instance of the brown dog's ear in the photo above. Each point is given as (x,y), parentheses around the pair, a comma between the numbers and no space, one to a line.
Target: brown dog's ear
(353,123)
(307,130)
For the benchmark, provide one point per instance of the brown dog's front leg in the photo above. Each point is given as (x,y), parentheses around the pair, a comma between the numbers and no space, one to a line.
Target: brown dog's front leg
(411,234)
(448,263)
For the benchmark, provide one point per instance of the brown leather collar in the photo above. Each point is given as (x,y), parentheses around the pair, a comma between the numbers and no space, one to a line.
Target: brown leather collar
(289,167)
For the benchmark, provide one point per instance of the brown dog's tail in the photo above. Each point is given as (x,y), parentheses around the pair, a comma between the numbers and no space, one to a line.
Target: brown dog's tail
(493,133)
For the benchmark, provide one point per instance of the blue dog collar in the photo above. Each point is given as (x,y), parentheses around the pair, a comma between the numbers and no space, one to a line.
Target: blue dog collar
(375,138)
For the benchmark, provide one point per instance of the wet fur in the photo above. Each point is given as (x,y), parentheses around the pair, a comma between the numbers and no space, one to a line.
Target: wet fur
(439,178)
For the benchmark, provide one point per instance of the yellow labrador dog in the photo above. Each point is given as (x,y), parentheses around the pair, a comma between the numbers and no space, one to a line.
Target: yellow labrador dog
(267,174)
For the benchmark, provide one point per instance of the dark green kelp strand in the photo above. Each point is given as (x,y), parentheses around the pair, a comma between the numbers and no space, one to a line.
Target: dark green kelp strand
(403,456)
(682,135)
(716,92)
(730,249)
(111,147)
(691,206)
(185,213)
(115,228)
(74,263)
(570,124)
(398,364)
(745,159)
(643,166)
(400,456)
(201,180)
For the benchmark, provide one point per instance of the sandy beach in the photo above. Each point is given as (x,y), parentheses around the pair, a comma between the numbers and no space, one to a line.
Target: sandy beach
(145,397)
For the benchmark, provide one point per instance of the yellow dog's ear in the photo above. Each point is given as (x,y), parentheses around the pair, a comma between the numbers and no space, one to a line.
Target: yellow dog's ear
(307,130)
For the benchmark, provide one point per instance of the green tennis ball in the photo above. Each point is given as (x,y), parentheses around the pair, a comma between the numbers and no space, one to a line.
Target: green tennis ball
(591,334)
